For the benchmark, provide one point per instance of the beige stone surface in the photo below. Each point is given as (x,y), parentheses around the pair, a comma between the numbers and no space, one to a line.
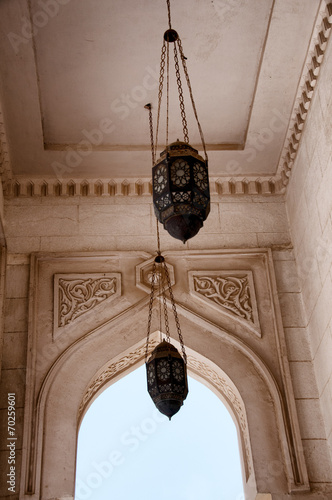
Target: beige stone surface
(309,209)
(317,455)
(321,315)
(287,277)
(17,281)
(257,365)
(323,359)
(292,310)
(311,419)
(298,344)
(281,372)
(16,315)
(303,377)
(14,350)
(12,380)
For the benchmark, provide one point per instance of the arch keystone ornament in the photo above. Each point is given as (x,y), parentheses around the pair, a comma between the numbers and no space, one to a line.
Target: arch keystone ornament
(144,273)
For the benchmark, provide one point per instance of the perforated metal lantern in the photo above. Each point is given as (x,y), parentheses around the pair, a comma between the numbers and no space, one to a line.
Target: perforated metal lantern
(181,194)
(167,378)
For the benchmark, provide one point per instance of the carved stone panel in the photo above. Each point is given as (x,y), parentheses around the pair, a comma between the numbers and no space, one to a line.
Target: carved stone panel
(232,292)
(77,294)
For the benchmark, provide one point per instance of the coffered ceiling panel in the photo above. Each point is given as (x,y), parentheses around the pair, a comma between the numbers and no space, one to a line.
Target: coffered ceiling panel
(96,63)
(76,74)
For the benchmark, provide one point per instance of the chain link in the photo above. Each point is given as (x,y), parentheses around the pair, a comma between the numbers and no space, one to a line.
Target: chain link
(163,273)
(160,91)
(169,13)
(165,305)
(177,322)
(184,64)
(150,311)
(149,107)
(181,99)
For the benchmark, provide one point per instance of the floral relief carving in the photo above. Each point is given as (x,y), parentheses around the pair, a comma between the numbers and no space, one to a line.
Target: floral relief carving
(78,294)
(112,370)
(231,292)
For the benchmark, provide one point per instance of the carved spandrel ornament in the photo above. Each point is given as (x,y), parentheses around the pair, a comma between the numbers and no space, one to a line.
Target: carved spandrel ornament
(77,294)
(231,291)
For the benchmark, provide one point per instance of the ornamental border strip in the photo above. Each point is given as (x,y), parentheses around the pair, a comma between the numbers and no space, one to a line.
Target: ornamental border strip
(36,187)
(305,91)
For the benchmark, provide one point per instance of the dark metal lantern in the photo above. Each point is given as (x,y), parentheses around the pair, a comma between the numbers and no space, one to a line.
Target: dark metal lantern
(181,194)
(167,378)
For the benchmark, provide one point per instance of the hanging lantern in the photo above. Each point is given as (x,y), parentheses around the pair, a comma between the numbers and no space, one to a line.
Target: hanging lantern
(180,178)
(166,369)
(181,195)
(167,378)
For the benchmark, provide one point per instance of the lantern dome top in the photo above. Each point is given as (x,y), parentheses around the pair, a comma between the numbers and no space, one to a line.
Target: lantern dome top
(163,347)
(179,147)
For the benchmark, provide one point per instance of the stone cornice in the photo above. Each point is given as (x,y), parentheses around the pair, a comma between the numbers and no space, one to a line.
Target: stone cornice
(305,90)
(36,187)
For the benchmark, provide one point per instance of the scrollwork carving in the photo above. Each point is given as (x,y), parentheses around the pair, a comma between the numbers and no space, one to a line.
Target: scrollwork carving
(77,295)
(113,369)
(230,292)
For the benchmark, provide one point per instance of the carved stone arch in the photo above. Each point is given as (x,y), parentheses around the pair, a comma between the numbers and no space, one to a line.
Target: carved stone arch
(199,368)
(51,472)
(61,370)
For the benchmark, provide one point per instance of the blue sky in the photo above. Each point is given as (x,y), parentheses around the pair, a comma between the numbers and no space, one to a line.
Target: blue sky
(127,450)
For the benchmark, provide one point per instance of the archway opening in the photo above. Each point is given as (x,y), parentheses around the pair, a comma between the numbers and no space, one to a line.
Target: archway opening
(128,450)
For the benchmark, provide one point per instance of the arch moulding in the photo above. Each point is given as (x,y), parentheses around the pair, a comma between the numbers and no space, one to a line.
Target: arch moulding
(248,370)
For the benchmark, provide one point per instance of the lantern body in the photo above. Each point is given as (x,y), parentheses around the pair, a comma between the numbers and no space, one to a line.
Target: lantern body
(181,194)
(167,379)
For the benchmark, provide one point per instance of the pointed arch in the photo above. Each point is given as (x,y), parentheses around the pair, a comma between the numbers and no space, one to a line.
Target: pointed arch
(60,390)
(79,374)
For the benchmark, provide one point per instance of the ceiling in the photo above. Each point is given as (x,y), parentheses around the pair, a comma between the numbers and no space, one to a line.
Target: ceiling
(73,94)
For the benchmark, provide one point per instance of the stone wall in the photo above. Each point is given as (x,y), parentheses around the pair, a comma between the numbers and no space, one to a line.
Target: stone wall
(79,223)
(309,204)
(72,224)
(93,224)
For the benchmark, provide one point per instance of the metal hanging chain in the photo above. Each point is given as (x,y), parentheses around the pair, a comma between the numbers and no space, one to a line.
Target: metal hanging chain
(150,311)
(177,322)
(160,91)
(181,99)
(167,94)
(149,107)
(158,237)
(183,59)
(165,307)
(161,278)
(169,13)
